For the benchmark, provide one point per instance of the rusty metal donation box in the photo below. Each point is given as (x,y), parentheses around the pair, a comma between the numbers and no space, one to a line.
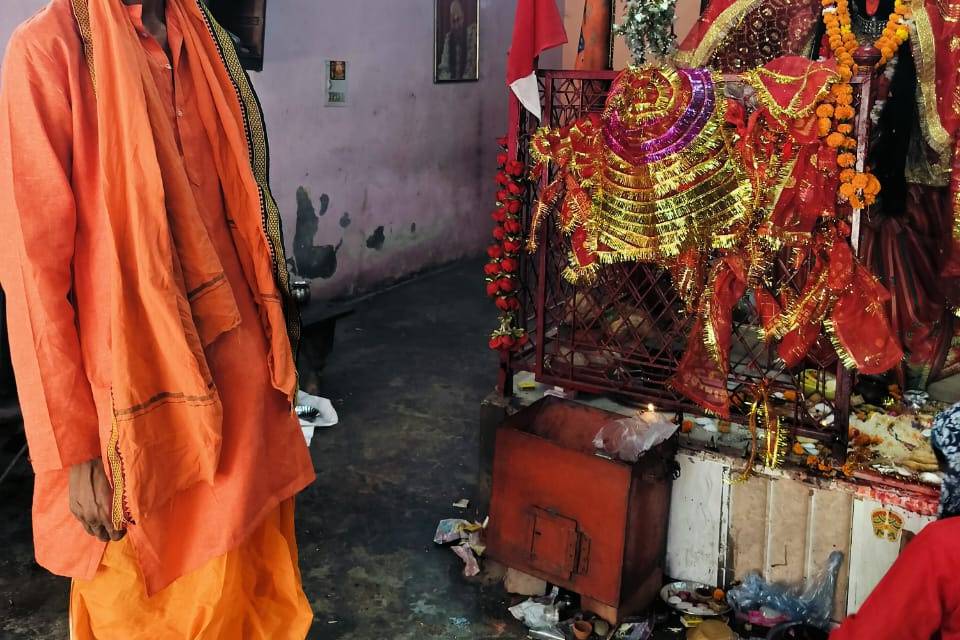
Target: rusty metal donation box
(595,526)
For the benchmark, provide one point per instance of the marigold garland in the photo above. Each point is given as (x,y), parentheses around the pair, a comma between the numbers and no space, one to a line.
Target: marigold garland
(835,116)
(502,270)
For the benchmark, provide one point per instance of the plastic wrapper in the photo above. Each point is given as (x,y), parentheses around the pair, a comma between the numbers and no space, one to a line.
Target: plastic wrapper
(811,604)
(642,630)
(539,613)
(629,438)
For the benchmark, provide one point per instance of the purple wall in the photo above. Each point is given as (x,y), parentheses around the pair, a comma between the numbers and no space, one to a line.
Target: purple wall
(407,166)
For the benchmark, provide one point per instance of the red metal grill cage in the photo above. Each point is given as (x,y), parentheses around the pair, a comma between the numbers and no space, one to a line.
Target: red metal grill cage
(625,335)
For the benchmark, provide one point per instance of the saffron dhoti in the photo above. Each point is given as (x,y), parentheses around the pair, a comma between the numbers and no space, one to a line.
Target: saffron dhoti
(252,592)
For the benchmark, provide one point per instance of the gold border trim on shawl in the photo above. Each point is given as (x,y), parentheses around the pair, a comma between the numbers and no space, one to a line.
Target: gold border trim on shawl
(260,163)
(119,512)
(924,53)
(716,33)
(81,13)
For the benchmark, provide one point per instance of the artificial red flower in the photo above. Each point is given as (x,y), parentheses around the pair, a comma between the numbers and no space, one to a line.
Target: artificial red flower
(503,304)
(523,340)
(513,206)
(509,265)
(515,168)
(514,188)
(495,342)
(511,246)
(503,178)
(493,288)
(512,226)
(492,268)
(501,159)
(499,233)
(503,196)
(505,284)
(512,303)
(507,342)
(499,215)
(495,252)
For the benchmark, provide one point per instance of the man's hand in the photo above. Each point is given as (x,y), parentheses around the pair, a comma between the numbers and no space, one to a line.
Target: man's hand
(91,499)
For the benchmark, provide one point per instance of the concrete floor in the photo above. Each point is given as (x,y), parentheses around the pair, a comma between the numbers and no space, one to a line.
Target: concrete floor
(408,373)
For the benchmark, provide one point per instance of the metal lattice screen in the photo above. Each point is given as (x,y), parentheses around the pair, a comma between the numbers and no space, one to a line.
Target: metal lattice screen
(626,334)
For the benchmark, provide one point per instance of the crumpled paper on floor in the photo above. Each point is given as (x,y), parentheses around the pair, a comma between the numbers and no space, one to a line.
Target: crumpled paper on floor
(469,535)
(326,415)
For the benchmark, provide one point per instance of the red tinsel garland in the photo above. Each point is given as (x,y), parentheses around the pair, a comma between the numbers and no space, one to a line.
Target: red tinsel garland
(504,266)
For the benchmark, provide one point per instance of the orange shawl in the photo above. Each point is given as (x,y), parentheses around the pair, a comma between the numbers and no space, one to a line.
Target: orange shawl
(170,296)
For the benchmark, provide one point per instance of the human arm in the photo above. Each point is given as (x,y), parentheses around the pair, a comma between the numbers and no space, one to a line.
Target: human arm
(38,228)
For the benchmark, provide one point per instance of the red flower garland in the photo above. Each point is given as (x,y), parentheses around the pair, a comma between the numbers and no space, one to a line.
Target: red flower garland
(502,270)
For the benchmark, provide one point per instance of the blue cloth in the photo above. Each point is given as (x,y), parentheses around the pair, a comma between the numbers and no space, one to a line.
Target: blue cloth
(946,442)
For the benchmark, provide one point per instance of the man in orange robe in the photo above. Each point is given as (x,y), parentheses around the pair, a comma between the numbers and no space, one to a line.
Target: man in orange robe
(150,324)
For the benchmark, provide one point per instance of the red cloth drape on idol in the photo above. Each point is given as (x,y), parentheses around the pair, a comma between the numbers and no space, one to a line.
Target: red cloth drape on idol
(677,173)
(911,234)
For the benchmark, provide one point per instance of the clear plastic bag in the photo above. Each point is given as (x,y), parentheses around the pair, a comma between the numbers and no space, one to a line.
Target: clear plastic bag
(629,438)
(812,604)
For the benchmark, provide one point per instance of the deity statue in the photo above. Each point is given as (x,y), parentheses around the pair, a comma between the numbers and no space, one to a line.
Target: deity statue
(911,234)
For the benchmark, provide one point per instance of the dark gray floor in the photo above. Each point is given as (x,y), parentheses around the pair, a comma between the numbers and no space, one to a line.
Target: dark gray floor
(407,375)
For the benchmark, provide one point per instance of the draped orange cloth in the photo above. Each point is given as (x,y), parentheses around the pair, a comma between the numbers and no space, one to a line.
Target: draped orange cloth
(71,212)
(252,592)
(593,49)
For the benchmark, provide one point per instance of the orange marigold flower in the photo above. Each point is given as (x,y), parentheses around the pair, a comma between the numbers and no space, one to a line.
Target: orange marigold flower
(844,112)
(835,140)
(847,190)
(860,181)
(845,128)
(857,203)
(798,449)
(846,160)
(841,89)
(825,111)
(811,461)
(847,175)
(845,73)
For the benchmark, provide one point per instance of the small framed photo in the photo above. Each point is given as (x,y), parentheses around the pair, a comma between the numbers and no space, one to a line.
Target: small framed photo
(456,41)
(335,94)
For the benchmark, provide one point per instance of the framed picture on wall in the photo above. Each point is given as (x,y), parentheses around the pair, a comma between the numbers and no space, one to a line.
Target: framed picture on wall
(456,41)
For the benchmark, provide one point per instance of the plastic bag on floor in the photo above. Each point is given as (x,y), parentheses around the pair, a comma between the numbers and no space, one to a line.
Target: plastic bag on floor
(812,604)
(539,613)
(629,438)
(642,630)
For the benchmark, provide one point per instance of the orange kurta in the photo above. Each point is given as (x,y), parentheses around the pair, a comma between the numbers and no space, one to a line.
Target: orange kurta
(54,267)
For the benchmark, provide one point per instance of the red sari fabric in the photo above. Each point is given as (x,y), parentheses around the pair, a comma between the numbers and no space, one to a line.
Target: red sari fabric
(919,598)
